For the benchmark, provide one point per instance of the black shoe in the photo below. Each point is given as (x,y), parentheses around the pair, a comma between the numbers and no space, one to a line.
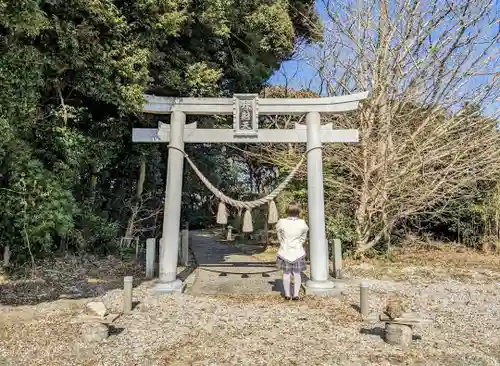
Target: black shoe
(287,298)
(295,298)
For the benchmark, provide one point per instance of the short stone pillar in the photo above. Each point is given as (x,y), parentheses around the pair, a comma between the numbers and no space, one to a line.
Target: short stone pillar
(127,293)
(229,236)
(337,258)
(6,256)
(184,248)
(364,307)
(150,257)
(162,248)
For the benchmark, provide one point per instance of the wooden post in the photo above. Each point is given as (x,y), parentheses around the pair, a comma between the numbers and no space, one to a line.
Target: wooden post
(150,257)
(337,258)
(127,293)
(363,299)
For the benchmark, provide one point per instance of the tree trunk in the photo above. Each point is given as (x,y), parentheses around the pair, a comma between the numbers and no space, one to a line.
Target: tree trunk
(138,193)
(362,218)
(63,247)
(375,164)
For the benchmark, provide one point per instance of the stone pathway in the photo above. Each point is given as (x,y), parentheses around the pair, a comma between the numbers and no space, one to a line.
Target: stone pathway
(216,258)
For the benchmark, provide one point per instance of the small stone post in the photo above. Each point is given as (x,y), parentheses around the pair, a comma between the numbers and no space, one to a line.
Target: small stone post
(150,257)
(162,247)
(363,299)
(185,247)
(337,258)
(229,236)
(179,249)
(127,294)
(6,256)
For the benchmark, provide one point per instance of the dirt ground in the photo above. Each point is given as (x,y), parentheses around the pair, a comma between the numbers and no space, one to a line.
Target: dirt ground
(458,291)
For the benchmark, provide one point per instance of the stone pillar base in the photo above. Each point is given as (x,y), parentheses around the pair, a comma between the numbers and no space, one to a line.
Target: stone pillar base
(172,287)
(322,288)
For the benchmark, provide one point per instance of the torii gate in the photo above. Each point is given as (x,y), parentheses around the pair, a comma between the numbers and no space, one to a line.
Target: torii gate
(245,109)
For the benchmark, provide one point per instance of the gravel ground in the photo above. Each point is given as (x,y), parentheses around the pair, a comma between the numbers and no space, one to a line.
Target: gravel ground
(265,330)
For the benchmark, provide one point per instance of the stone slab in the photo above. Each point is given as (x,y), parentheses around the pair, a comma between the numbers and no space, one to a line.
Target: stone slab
(174,287)
(96,332)
(324,292)
(108,319)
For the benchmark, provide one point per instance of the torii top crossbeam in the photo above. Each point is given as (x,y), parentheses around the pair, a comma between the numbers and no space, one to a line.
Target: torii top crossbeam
(266,106)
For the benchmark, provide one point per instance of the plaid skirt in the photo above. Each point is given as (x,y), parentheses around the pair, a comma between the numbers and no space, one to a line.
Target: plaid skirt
(297,266)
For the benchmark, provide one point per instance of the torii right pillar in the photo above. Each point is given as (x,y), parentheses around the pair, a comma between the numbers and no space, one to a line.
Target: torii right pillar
(319,284)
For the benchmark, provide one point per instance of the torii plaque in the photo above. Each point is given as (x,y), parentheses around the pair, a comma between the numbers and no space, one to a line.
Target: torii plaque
(245,109)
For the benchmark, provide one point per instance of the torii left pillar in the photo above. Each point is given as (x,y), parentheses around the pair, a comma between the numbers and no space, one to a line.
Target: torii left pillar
(245,109)
(168,281)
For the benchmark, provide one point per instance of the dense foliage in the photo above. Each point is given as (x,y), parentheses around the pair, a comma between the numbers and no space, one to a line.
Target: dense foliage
(72,74)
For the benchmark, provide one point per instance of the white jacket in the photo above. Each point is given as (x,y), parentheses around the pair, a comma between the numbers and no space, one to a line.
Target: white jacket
(292,233)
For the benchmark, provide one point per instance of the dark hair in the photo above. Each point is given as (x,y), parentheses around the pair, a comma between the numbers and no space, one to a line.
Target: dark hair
(293,209)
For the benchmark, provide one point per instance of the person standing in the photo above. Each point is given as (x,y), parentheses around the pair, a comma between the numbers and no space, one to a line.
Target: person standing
(291,256)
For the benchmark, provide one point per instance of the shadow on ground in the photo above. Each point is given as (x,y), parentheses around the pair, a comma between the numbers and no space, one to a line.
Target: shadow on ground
(211,253)
(87,276)
(68,277)
(232,266)
(356,307)
(210,250)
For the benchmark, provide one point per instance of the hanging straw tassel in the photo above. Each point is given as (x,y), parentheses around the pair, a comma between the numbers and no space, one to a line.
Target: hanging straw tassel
(222,214)
(247,222)
(272,217)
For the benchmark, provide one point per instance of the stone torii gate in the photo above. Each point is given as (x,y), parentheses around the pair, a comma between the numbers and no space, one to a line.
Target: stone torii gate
(246,109)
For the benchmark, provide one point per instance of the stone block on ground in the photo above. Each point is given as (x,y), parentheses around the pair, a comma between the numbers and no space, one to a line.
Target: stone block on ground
(97,308)
(94,332)
(398,334)
(395,307)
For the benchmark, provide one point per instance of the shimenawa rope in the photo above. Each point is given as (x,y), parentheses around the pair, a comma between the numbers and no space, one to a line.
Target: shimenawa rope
(248,205)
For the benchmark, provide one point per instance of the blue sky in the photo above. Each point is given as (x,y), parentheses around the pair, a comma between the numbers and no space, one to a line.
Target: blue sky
(297,74)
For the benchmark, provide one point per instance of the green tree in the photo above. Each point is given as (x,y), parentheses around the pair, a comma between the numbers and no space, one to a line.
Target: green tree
(72,75)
